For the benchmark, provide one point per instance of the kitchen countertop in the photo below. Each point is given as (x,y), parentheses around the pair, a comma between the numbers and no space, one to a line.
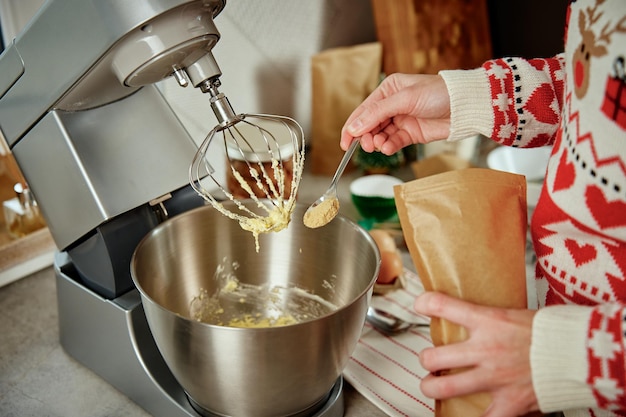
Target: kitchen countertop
(37,377)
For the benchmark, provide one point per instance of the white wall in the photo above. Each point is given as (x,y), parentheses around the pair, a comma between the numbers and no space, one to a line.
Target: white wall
(264,54)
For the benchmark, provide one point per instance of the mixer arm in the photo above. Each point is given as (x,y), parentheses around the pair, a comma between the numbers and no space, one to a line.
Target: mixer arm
(81,54)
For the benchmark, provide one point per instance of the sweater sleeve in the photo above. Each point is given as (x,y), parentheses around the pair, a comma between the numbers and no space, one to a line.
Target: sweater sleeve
(558,358)
(514,101)
(577,357)
(470,103)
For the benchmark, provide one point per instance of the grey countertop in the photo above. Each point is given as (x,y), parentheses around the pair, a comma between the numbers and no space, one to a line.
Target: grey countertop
(38,378)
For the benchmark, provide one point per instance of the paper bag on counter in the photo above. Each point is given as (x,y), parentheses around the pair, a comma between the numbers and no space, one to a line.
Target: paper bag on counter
(466,233)
(341,79)
(438,164)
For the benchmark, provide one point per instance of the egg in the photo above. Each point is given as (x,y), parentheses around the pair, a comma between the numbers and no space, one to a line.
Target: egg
(390,261)
(390,267)
(383,240)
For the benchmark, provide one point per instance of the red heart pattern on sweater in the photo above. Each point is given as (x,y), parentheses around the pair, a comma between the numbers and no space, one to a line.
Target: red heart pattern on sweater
(536,104)
(581,253)
(606,213)
(565,174)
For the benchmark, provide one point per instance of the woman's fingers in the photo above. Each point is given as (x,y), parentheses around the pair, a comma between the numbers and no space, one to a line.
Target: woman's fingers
(436,304)
(456,384)
(457,355)
(507,402)
(417,105)
(494,358)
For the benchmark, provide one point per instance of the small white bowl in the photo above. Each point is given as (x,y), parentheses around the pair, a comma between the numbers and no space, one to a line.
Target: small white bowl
(373,196)
(530,162)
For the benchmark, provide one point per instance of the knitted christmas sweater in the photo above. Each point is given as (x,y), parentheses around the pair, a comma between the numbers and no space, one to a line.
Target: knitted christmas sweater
(576,103)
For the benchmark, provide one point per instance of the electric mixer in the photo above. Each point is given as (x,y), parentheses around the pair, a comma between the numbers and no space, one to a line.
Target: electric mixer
(107,160)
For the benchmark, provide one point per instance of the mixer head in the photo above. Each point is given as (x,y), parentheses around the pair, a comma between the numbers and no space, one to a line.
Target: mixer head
(265,161)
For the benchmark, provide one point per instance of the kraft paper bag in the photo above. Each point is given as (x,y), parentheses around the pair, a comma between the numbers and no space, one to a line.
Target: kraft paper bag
(341,79)
(466,234)
(437,164)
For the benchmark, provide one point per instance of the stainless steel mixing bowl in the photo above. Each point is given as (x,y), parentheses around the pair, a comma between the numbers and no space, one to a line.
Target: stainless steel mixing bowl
(273,371)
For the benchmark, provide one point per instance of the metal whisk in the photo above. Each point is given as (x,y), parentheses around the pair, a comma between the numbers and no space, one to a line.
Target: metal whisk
(253,150)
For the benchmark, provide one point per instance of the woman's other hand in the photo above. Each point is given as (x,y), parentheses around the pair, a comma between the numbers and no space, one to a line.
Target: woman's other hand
(496,355)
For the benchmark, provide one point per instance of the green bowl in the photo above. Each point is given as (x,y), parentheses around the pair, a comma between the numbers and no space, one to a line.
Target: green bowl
(372,195)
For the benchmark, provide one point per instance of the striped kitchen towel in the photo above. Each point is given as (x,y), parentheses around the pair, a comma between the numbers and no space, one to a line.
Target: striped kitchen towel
(385,369)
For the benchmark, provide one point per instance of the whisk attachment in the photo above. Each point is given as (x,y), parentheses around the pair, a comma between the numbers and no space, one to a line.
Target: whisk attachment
(265,155)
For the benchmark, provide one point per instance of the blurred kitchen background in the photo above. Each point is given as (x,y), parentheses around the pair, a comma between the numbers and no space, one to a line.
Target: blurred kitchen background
(266,54)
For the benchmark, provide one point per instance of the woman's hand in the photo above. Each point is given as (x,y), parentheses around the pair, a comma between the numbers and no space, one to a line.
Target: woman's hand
(404,109)
(497,354)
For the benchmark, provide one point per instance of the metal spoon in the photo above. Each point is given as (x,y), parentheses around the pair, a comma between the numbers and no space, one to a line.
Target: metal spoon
(388,323)
(313,217)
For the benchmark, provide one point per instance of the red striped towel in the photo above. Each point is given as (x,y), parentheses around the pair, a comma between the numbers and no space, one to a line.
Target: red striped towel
(385,369)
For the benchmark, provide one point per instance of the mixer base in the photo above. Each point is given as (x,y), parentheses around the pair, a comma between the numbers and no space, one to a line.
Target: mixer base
(329,406)
(112,338)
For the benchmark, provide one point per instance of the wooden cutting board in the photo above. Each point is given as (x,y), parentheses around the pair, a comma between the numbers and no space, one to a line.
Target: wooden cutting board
(425,36)
(14,252)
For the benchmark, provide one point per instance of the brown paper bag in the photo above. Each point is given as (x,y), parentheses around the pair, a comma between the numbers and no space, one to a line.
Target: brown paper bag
(466,233)
(437,164)
(341,79)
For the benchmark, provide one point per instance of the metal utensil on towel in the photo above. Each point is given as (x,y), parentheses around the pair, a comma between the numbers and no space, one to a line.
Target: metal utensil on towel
(388,323)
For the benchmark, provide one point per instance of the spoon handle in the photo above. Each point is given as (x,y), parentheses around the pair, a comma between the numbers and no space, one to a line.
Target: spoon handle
(388,323)
(344,162)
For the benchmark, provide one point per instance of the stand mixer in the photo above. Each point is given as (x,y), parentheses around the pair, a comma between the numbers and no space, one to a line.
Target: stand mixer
(107,160)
